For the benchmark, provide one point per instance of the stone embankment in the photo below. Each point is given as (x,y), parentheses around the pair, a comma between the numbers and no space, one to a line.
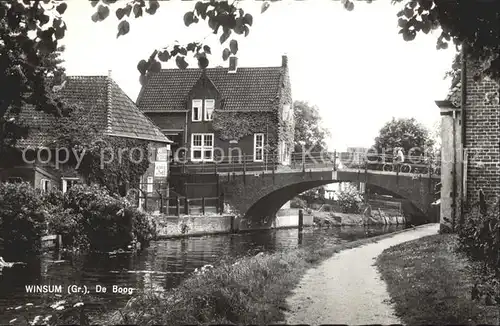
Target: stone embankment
(377,217)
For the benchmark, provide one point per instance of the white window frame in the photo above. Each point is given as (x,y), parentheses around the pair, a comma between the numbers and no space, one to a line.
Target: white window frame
(149,185)
(203,148)
(205,111)
(45,184)
(65,183)
(256,148)
(196,103)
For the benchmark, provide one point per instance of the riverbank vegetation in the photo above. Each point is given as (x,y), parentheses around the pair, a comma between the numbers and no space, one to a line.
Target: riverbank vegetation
(87,217)
(431,282)
(250,290)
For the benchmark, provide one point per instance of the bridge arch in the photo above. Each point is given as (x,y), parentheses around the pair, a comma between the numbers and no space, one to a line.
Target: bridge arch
(262,213)
(257,198)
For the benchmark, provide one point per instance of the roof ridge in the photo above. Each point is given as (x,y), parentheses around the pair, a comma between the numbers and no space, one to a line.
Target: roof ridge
(109,103)
(220,68)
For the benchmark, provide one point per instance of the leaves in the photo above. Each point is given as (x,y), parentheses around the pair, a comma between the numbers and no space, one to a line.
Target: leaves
(206,48)
(181,62)
(225,36)
(225,54)
(248,19)
(142,66)
(153,7)
(188,18)
(264,7)
(155,67)
(164,56)
(102,12)
(120,13)
(137,10)
(202,61)
(61,8)
(123,28)
(233,45)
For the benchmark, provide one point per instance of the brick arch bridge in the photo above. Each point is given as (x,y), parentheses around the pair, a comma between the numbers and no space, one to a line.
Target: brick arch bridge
(258,197)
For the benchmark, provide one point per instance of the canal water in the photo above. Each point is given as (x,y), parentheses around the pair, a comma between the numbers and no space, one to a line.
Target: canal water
(161,266)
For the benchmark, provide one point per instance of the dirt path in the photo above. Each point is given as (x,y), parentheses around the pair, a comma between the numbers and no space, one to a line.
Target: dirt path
(347,289)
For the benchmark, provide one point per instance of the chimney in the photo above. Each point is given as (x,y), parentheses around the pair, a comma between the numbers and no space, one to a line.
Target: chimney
(233,64)
(284,61)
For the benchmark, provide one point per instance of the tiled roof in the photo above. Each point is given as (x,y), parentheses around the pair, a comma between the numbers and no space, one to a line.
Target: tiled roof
(110,108)
(247,89)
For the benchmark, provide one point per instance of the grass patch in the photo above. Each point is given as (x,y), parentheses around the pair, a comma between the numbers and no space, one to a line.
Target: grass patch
(250,290)
(430,283)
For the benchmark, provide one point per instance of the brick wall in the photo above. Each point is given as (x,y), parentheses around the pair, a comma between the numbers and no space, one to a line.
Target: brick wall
(482,138)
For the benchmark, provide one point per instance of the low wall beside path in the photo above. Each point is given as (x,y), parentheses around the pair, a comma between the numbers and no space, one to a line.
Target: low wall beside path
(197,225)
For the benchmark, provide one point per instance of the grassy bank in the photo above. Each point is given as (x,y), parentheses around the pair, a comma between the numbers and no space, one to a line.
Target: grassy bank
(430,283)
(251,290)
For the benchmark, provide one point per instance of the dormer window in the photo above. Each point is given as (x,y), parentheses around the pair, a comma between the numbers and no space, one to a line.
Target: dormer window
(197,110)
(209,109)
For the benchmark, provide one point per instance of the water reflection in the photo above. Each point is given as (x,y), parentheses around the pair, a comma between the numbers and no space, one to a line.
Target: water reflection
(161,266)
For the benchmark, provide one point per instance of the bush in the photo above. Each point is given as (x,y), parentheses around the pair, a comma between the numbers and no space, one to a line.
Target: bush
(298,203)
(479,238)
(22,219)
(350,200)
(90,218)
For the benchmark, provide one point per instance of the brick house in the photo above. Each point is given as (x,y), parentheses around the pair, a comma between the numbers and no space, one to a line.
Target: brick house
(470,148)
(218,113)
(113,114)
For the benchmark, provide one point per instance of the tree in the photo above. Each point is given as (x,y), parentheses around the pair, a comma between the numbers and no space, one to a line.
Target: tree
(406,133)
(472,23)
(310,136)
(28,56)
(308,128)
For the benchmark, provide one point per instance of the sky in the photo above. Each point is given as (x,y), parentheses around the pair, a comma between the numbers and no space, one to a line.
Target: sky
(354,66)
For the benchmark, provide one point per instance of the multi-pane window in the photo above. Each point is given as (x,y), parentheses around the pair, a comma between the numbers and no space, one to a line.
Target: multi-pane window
(197,110)
(202,147)
(203,110)
(258,147)
(209,109)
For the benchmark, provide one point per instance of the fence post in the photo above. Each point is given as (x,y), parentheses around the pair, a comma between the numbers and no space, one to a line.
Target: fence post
(185,189)
(221,204)
(217,189)
(335,160)
(161,203)
(303,161)
(186,206)
(301,220)
(177,206)
(202,166)
(146,201)
(272,168)
(203,205)
(244,169)
(215,168)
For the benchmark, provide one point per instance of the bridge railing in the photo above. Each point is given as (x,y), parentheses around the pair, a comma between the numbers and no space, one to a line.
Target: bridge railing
(270,163)
(181,205)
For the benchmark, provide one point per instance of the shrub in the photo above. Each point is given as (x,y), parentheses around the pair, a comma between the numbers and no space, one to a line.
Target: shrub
(144,226)
(350,200)
(298,203)
(91,218)
(479,238)
(22,219)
